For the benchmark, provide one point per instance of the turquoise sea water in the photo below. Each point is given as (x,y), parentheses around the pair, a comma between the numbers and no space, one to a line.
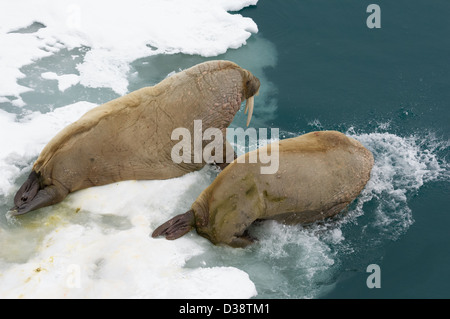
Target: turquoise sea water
(333,72)
(321,68)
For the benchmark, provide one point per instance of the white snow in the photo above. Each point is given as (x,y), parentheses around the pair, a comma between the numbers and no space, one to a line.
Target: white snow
(116,33)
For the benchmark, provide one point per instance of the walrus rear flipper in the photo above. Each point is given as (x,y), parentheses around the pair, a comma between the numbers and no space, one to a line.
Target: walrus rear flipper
(28,190)
(176,227)
(31,197)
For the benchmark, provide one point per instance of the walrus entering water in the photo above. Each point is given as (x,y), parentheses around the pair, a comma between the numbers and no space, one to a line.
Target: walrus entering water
(129,138)
(319,174)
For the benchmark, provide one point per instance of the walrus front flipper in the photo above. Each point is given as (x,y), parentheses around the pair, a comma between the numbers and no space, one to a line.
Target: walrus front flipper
(31,197)
(176,227)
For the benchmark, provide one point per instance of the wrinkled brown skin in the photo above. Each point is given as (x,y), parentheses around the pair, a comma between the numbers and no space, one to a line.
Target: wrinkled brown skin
(320,174)
(129,138)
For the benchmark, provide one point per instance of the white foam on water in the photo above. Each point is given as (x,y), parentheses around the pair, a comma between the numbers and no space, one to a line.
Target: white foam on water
(302,257)
(402,166)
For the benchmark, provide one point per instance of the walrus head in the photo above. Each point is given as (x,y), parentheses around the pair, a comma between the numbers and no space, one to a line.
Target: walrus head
(223,83)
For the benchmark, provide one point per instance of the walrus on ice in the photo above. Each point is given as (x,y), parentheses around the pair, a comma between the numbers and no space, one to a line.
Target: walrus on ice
(129,138)
(319,174)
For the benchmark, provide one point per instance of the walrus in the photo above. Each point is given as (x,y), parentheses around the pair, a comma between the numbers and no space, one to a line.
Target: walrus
(320,174)
(129,138)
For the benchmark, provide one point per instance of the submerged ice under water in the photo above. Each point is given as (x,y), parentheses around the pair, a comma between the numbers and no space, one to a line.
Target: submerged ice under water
(96,243)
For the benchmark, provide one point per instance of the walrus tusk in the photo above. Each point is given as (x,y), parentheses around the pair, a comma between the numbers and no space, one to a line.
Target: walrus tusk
(249,107)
